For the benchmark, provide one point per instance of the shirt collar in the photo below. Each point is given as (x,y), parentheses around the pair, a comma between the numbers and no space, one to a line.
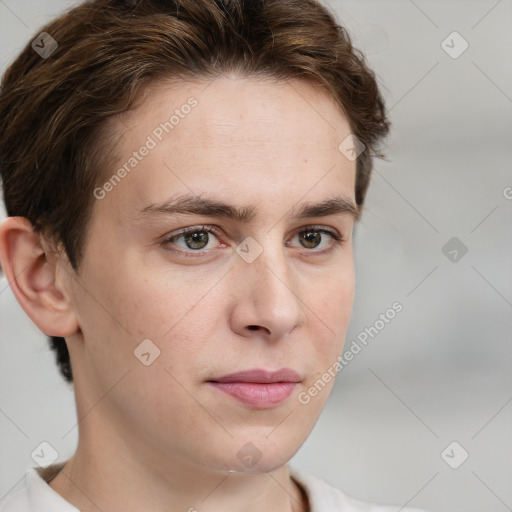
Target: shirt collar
(40,495)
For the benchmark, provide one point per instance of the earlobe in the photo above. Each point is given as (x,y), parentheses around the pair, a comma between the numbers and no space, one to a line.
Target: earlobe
(31,271)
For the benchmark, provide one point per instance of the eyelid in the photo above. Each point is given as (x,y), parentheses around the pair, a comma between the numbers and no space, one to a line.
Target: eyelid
(193,229)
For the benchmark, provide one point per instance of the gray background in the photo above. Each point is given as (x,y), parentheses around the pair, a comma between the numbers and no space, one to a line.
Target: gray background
(441,370)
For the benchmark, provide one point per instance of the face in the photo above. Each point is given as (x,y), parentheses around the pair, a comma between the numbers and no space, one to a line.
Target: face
(267,291)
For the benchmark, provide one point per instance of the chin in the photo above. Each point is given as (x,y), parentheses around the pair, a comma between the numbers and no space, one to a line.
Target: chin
(260,467)
(259,455)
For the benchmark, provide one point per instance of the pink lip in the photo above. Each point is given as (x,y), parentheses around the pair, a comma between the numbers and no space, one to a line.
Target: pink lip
(257,388)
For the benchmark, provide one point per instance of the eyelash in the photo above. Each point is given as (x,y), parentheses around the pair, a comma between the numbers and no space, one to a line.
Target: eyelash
(338,240)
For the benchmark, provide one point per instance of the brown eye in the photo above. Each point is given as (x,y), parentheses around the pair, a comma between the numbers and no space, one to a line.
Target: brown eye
(313,237)
(310,239)
(193,240)
(197,240)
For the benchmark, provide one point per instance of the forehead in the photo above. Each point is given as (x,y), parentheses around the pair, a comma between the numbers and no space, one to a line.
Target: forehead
(230,136)
(262,107)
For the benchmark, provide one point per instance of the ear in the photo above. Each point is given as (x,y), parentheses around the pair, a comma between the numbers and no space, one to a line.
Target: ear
(32,271)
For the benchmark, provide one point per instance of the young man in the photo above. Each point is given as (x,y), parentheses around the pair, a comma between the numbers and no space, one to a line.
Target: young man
(181,181)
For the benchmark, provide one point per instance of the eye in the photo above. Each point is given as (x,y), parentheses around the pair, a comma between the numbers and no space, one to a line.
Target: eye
(195,239)
(312,237)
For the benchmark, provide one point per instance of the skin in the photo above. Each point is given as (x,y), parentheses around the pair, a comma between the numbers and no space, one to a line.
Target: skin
(156,436)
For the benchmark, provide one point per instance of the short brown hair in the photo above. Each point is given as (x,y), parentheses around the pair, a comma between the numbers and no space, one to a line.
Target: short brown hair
(55,147)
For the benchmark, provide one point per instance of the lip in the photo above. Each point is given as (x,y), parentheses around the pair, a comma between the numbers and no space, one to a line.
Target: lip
(260,376)
(259,389)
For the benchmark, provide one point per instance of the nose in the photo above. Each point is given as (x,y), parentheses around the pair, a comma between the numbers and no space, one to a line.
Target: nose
(267,299)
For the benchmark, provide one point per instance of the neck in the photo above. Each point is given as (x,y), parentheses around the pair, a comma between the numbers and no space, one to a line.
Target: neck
(114,482)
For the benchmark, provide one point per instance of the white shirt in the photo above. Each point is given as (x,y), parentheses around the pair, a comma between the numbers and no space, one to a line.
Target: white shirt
(37,496)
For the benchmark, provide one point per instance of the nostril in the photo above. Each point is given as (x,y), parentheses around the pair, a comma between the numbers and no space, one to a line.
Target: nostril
(253,327)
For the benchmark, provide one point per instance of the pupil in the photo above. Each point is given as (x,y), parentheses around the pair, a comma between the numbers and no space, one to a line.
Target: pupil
(198,237)
(312,237)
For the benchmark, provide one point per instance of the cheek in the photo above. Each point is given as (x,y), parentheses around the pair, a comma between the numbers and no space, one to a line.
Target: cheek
(155,307)
(331,310)
(334,294)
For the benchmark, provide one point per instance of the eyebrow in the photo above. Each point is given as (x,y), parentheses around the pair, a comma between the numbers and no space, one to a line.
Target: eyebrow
(194,205)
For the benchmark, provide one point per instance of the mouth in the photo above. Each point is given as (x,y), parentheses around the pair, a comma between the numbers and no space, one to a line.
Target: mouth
(259,389)
(259,376)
